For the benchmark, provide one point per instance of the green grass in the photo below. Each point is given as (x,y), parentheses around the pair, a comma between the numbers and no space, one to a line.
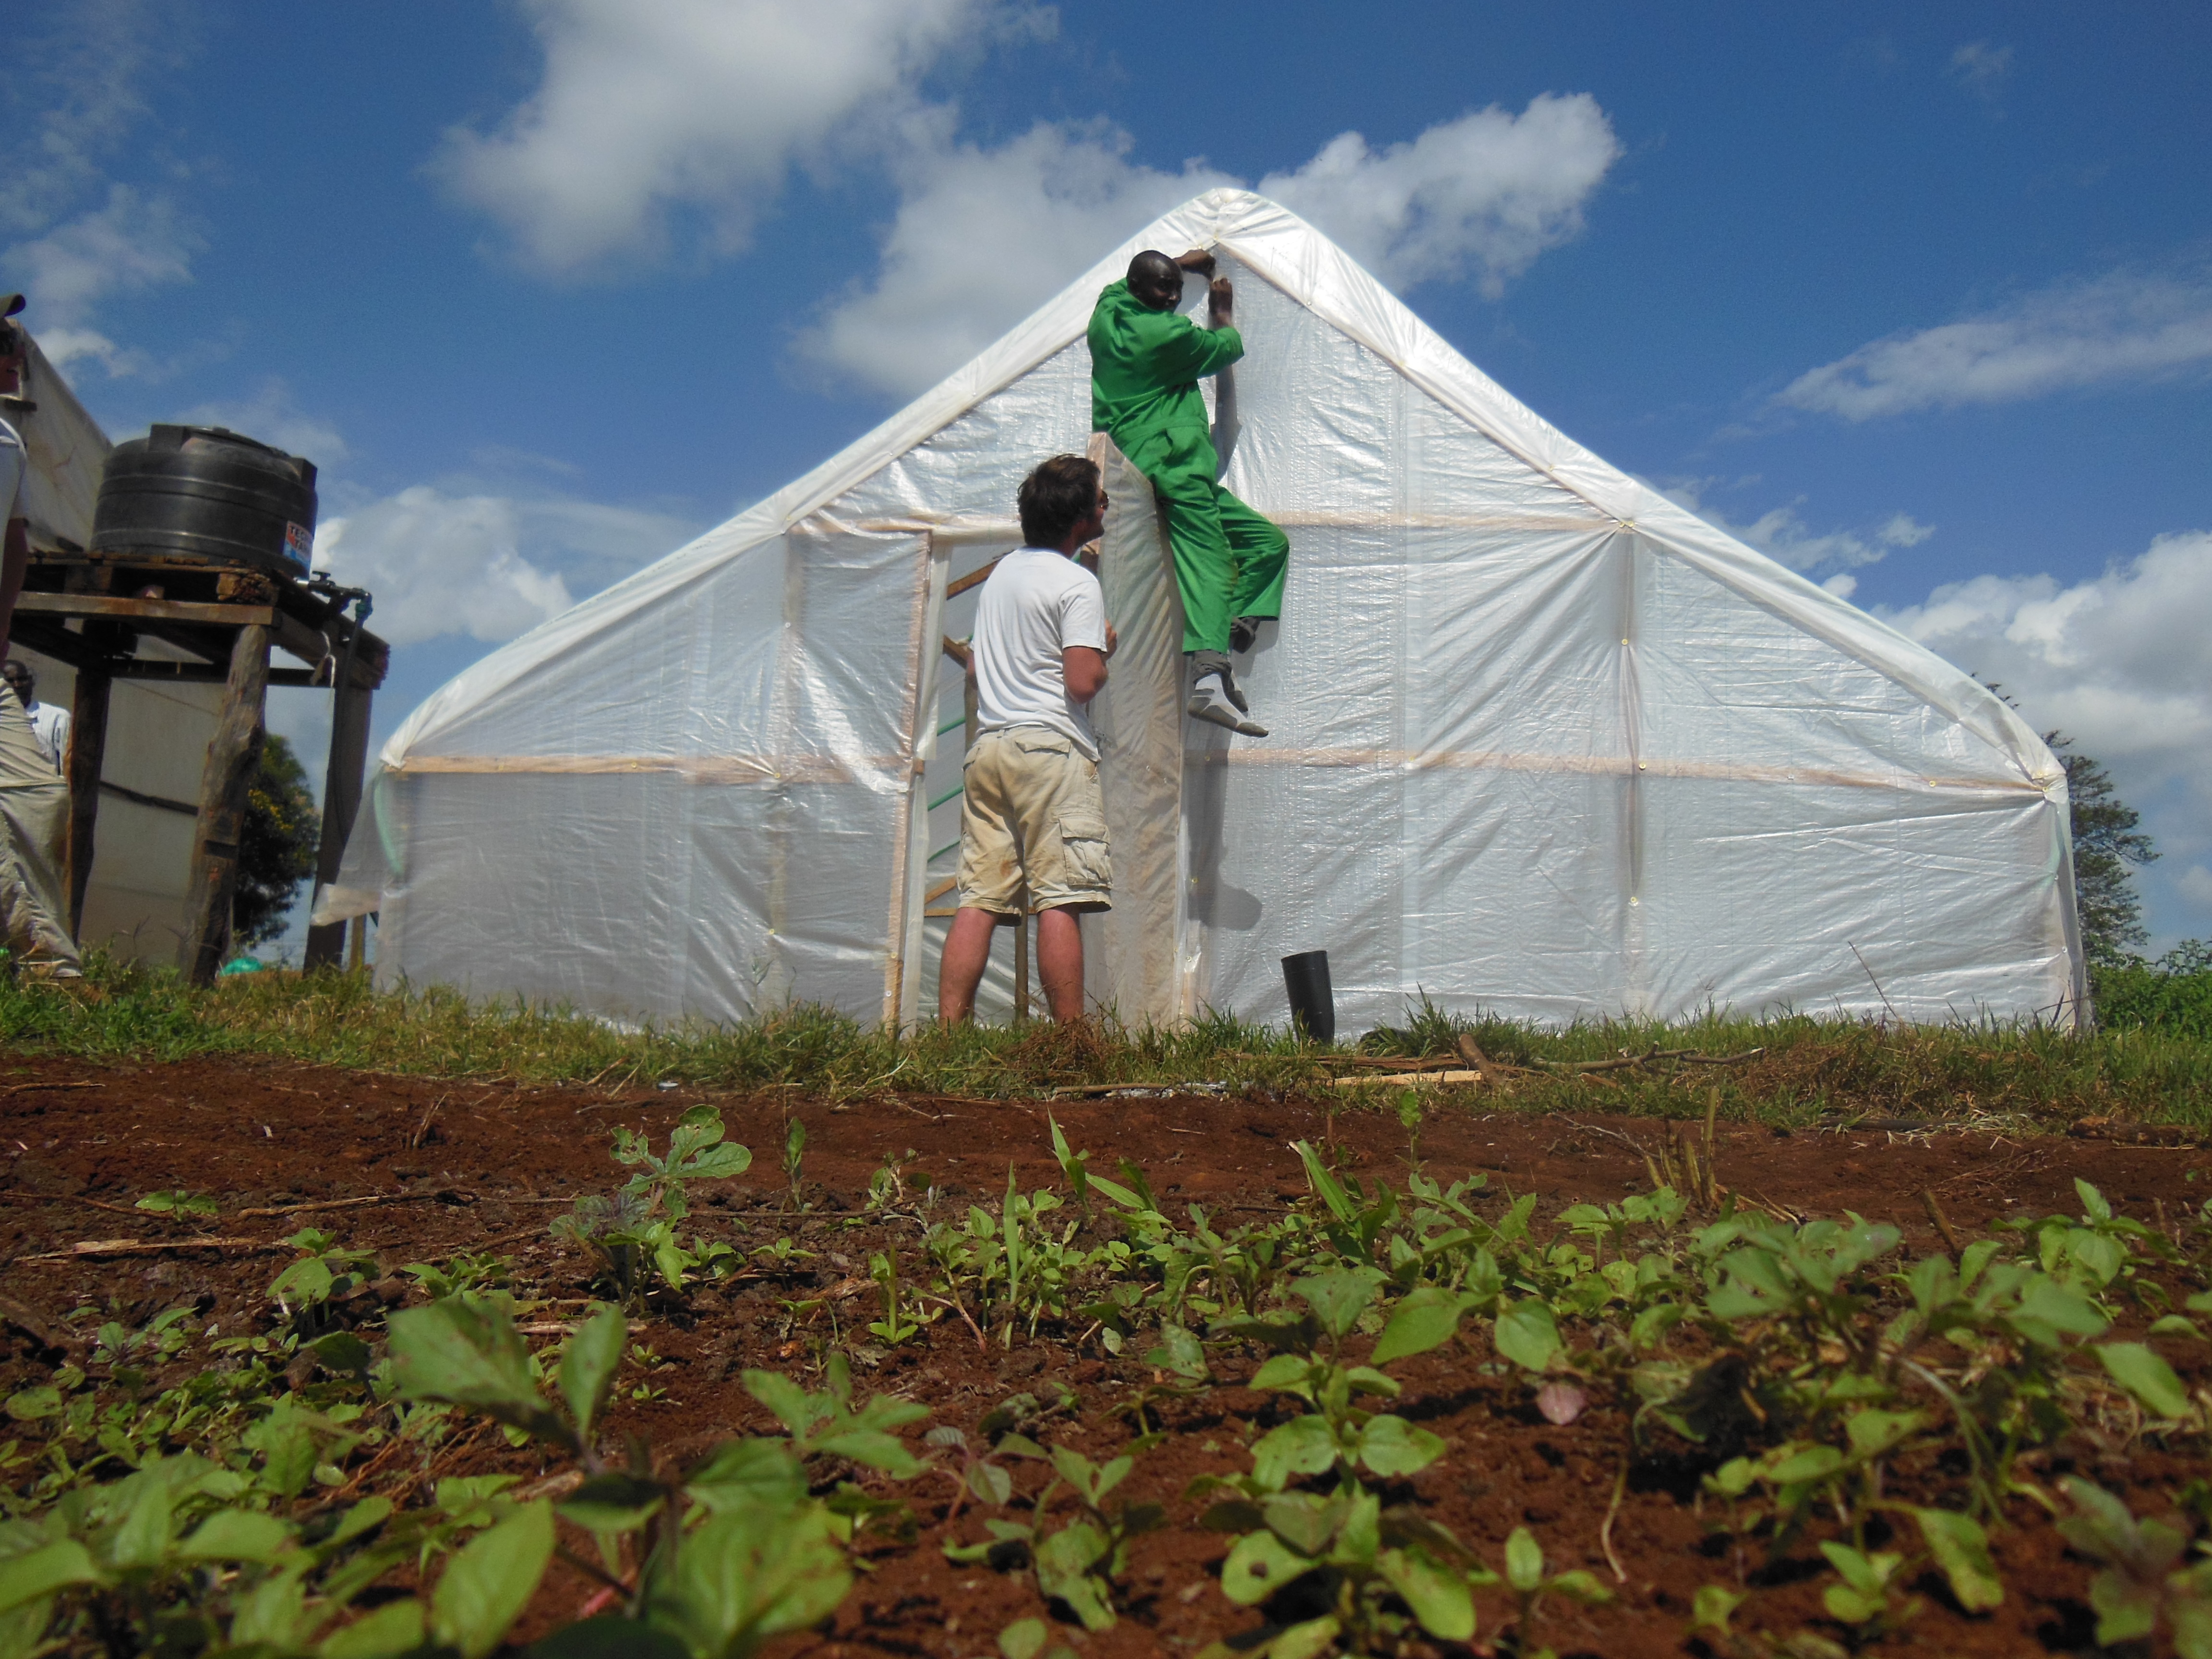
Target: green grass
(1808,1067)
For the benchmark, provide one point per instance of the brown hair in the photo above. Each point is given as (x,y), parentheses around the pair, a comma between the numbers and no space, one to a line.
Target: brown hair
(1055,498)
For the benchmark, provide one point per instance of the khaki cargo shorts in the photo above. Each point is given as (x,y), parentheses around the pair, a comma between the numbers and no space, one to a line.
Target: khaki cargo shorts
(1032,825)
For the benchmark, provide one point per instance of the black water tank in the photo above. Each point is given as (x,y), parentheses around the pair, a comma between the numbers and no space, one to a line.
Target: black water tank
(210,493)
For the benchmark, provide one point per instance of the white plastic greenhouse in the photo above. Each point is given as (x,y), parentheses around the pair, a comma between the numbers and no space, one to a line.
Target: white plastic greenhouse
(1544,743)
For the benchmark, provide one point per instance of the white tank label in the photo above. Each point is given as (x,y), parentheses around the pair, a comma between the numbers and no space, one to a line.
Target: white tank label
(298,545)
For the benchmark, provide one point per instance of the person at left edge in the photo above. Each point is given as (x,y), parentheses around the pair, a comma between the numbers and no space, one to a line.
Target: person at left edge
(33,799)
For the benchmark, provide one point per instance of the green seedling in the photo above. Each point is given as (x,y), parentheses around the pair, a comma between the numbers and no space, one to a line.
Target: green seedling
(1362,1559)
(1531,1586)
(887,1189)
(180,1203)
(2142,1583)
(1077,1563)
(1870,1599)
(794,1161)
(1179,1372)
(826,1425)
(1712,1607)
(1337,1434)
(783,1256)
(464,1272)
(643,1356)
(1409,1120)
(697,1152)
(766,1559)
(978,1477)
(2095,1251)
(325,1272)
(1025,1639)
(633,1230)
(903,1317)
(622,1231)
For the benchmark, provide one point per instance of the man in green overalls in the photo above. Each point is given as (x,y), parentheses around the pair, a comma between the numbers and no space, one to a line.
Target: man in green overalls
(1146,360)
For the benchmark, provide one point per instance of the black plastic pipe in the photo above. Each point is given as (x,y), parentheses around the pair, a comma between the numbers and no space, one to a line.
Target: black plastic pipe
(1313,1004)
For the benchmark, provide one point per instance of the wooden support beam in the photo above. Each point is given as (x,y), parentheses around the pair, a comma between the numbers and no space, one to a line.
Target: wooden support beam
(309,645)
(101,604)
(88,752)
(973,579)
(341,788)
(231,756)
(145,669)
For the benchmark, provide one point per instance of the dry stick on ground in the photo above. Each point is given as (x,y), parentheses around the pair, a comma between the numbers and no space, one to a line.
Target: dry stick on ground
(33,1088)
(1626,1062)
(88,1203)
(352,1203)
(422,1129)
(26,1318)
(1411,1080)
(1942,1222)
(98,1247)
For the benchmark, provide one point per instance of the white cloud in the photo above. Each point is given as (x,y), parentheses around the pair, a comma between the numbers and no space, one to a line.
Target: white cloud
(88,58)
(128,243)
(1983,69)
(697,105)
(2195,882)
(982,236)
(487,565)
(75,77)
(271,416)
(2127,326)
(2122,664)
(1782,535)
(1487,192)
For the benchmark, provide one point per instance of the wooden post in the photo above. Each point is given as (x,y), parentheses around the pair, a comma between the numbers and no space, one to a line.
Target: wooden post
(342,786)
(231,756)
(88,752)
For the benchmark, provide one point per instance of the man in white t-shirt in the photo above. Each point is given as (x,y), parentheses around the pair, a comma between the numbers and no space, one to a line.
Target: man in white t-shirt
(33,799)
(50,722)
(1032,822)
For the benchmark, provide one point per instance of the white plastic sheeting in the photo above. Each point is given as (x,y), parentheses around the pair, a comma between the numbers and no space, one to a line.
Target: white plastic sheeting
(1543,743)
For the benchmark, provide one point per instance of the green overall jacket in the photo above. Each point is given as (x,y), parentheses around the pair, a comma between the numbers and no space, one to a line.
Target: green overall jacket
(1146,366)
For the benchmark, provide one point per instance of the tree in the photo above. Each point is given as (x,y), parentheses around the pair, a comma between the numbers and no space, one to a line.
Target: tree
(2108,849)
(277,848)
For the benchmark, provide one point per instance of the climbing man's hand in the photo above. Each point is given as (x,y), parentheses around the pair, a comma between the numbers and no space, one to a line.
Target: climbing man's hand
(1113,639)
(1197,259)
(1219,296)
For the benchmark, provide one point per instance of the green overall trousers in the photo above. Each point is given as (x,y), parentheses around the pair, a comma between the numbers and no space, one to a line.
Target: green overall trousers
(1146,366)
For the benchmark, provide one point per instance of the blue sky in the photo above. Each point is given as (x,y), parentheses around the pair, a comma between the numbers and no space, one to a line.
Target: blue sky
(1917,298)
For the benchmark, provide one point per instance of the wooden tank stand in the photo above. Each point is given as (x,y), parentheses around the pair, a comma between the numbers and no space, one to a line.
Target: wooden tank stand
(92,613)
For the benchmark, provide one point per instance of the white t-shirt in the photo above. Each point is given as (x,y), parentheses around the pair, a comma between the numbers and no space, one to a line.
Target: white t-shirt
(50,724)
(1036,604)
(12,463)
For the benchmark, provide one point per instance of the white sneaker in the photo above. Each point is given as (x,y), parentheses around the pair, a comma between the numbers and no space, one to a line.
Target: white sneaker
(1209,701)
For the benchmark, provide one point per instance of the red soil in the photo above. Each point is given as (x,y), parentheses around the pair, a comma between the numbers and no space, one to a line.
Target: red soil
(502,1159)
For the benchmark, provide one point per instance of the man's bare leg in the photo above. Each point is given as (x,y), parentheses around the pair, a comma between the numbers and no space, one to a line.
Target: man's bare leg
(1059,961)
(967,953)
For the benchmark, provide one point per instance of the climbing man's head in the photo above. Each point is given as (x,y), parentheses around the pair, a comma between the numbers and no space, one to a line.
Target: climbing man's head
(1156,280)
(1059,496)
